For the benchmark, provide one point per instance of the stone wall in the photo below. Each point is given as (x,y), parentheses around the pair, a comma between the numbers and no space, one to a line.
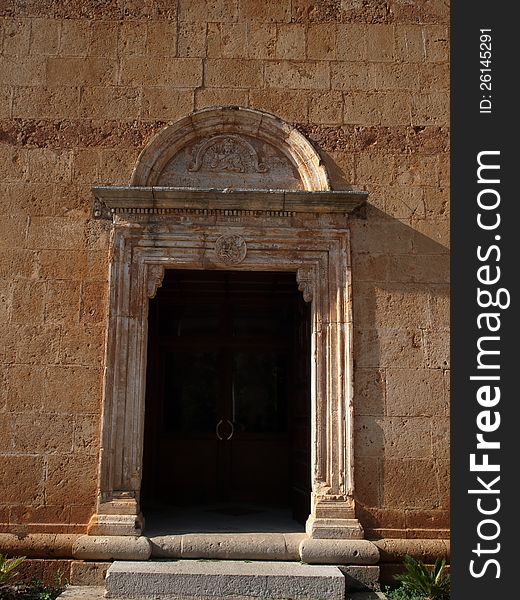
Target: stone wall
(85,85)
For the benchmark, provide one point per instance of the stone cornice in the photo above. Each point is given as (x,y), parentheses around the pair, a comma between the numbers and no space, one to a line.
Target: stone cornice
(111,200)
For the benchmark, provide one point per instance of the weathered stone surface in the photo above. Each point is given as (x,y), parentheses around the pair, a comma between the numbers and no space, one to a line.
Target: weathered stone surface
(225,73)
(227,40)
(110,103)
(44,570)
(83,592)
(326,108)
(81,71)
(83,345)
(224,579)
(270,11)
(368,476)
(290,43)
(297,75)
(75,35)
(225,96)
(321,42)
(114,547)
(45,35)
(393,437)
(61,302)
(86,433)
(288,104)
(181,72)
(411,478)
(22,70)
(6,433)
(232,546)
(340,552)
(47,441)
(164,103)
(424,520)
(38,545)
(360,577)
(88,573)
(425,550)
(200,11)
(5,300)
(34,517)
(71,479)
(427,396)
(46,103)
(73,389)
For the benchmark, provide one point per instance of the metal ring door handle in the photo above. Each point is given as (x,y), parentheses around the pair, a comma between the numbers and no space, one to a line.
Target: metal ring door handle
(232,429)
(217,430)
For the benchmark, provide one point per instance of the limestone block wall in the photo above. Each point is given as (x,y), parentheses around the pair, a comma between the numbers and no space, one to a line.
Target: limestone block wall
(85,85)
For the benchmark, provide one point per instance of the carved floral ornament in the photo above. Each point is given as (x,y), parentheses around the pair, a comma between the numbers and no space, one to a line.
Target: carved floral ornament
(230,249)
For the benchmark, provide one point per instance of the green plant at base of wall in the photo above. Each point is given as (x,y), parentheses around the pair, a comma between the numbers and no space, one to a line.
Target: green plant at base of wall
(33,590)
(400,593)
(420,583)
(8,566)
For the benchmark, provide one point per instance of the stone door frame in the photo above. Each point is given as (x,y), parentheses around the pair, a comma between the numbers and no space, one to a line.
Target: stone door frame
(300,230)
(143,246)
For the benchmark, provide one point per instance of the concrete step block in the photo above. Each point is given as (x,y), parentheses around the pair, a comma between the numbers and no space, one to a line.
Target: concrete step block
(224,579)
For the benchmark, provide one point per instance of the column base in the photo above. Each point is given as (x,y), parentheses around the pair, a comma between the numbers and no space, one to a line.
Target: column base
(116,525)
(334,529)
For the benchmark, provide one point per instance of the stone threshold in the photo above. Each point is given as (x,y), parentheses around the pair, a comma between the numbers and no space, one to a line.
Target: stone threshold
(230,546)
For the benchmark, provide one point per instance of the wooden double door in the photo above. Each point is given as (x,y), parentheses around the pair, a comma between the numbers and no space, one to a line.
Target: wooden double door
(227,405)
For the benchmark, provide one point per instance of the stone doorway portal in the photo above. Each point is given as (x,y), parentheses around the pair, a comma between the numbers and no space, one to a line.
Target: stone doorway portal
(172,217)
(227,424)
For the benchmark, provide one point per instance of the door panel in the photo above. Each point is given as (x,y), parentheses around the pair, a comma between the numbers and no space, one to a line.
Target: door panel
(193,478)
(223,420)
(259,470)
(300,410)
(191,391)
(259,392)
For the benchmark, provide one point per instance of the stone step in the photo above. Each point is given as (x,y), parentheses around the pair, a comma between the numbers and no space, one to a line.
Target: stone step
(237,580)
(98,593)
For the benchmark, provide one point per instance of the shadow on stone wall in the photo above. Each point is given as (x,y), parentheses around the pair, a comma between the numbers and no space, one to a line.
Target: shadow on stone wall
(401,357)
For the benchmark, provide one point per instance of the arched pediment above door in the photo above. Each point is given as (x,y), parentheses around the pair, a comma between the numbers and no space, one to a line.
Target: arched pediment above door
(228,159)
(231,148)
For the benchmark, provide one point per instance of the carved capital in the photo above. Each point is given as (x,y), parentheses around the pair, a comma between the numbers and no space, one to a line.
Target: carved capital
(155,279)
(305,279)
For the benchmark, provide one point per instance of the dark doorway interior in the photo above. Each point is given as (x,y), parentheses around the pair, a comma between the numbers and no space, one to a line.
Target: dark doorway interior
(228,393)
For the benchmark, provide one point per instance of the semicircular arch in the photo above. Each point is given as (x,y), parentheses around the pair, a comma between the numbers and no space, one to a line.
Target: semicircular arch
(231,147)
